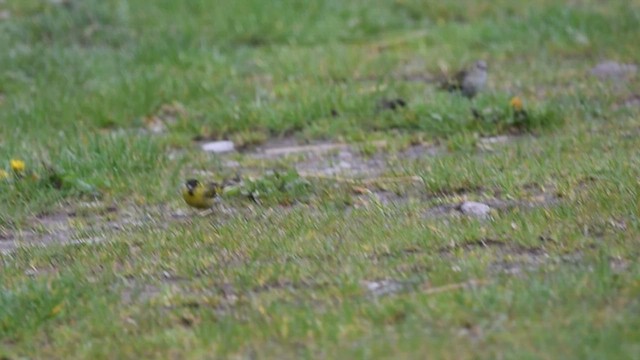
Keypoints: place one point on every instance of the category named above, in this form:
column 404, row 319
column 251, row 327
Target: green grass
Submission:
column 281, row 267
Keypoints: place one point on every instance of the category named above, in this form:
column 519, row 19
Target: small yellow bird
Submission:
column 199, row 195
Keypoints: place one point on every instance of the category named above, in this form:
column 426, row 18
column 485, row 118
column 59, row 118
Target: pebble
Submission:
column 383, row 287
column 476, row 209
column 501, row 139
column 218, row 147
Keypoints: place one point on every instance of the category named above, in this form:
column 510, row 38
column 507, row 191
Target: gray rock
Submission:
column 500, row 139
column 218, row 146
column 613, row 70
column 476, row 209
column 383, row 287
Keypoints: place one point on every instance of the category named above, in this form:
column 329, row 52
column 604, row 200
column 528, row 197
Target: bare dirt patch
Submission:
column 325, row 159
column 362, row 167
column 632, row 101
column 505, row 256
column 530, row 201
column 87, row 223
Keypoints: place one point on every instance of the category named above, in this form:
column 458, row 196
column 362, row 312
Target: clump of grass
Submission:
column 68, row 182
column 462, row 141
column 542, row 118
column 368, row 149
column 40, row 185
column 278, row 187
column 513, row 117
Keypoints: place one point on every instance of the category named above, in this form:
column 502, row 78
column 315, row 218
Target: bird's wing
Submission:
column 453, row 83
column 212, row 189
column 460, row 76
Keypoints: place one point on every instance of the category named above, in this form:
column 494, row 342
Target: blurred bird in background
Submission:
column 468, row 81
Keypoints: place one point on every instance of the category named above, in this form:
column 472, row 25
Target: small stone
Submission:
column 179, row 214
column 476, row 209
column 501, row 139
column 613, row 70
column 218, row 146
column 383, row 287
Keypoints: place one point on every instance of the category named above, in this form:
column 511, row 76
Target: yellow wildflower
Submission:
column 516, row 103
column 17, row 165
column 56, row 309
column 3, row 174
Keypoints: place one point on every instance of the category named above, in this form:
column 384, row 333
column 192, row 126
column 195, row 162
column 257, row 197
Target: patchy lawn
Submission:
column 373, row 215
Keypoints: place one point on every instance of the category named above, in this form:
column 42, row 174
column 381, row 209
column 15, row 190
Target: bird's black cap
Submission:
column 191, row 184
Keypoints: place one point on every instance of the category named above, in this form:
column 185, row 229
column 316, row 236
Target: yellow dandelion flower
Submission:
column 516, row 103
column 56, row 309
column 17, row 165
column 3, row 174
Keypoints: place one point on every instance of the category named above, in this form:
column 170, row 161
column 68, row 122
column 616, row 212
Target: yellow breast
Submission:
column 197, row 198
